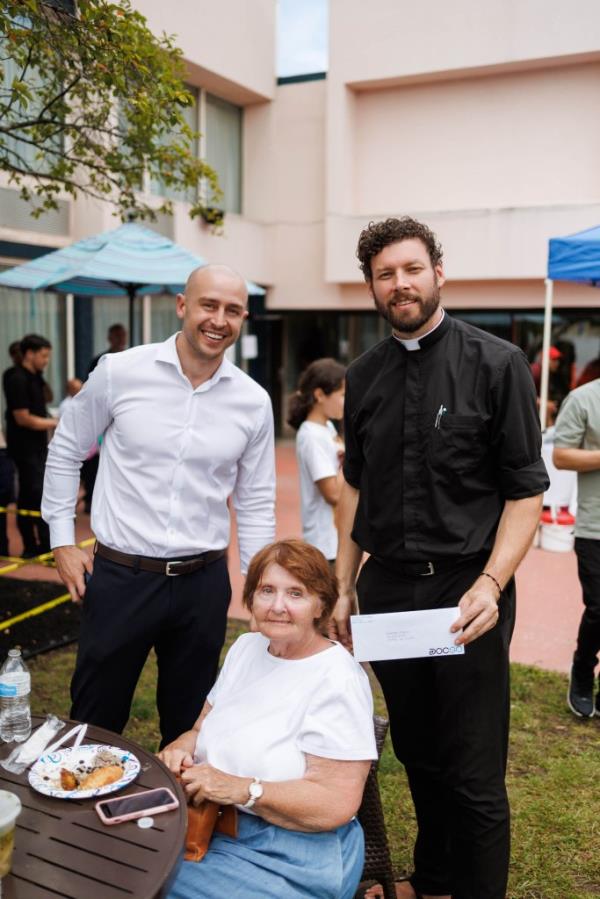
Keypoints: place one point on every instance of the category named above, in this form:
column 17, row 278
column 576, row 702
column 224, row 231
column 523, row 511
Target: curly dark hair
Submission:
column 379, row 235
column 328, row 374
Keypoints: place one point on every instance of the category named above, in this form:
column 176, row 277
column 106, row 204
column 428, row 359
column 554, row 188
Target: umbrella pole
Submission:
column 545, row 375
column 70, row 335
column 131, row 293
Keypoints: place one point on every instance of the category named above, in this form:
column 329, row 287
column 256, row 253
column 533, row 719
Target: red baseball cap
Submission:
column 553, row 353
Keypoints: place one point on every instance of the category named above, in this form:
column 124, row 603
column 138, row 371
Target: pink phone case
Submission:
column 140, row 813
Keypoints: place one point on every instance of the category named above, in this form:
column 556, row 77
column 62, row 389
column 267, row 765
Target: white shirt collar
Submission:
column 167, row 352
column 412, row 343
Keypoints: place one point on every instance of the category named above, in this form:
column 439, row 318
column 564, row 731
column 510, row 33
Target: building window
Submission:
column 17, row 149
column 157, row 185
column 223, row 143
column 220, row 124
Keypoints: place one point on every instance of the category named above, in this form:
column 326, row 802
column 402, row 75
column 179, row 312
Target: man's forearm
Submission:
column 349, row 554
column 576, row 459
column 34, row 422
column 516, row 529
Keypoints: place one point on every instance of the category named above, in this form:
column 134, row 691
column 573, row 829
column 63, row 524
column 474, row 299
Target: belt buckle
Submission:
column 430, row 570
column 168, row 571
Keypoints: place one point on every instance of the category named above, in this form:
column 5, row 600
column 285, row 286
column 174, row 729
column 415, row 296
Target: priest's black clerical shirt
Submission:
column 437, row 439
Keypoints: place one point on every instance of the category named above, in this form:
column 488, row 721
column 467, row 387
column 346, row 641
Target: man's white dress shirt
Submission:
column 171, row 456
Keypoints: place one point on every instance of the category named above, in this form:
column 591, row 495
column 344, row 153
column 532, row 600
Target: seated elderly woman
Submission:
column 286, row 735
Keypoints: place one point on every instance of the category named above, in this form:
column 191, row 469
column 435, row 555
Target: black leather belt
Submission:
column 426, row 569
column 170, row 567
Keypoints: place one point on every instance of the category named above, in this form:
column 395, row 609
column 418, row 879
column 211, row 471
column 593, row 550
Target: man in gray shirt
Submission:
column 577, row 448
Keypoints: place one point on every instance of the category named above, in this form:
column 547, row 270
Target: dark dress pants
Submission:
column 126, row 613
column 449, row 721
column 34, row 531
column 588, row 639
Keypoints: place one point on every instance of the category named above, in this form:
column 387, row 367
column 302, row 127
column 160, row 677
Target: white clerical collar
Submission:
column 412, row 343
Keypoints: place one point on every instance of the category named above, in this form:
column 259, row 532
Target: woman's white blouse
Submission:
column 268, row 712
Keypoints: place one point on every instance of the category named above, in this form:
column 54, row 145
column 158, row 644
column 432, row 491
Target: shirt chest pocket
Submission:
column 457, row 444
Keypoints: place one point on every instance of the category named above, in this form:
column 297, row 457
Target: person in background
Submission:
column 318, row 399
column 577, row 448
column 7, row 468
column 7, row 492
column 14, row 351
column 590, row 372
column 556, row 390
column 27, row 428
column 73, row 386
column 286, row 735
column 117, row 342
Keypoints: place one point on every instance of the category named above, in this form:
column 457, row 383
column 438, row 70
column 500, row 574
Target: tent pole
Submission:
column 545, row 352
column 70, row 335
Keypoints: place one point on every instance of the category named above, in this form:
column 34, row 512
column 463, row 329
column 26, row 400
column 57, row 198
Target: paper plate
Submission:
column 44, row 776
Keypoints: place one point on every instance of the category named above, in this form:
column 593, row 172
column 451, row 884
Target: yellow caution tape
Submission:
column 37, row 611
column 46, row 606
column 33, row 513
column 43, row 559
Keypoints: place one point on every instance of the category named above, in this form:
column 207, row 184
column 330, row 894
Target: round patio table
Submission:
column 62, row 849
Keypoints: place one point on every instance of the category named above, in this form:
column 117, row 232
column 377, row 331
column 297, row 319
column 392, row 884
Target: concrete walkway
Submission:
column 549, row 595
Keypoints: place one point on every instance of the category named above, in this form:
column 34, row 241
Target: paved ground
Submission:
column 549, row 595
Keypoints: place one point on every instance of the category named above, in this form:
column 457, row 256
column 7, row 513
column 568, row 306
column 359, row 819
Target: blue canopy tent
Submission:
column 572, row 258
column 576, row 257
column 128, row 261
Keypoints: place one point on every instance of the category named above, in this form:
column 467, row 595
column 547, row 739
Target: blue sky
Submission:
column 301, row 37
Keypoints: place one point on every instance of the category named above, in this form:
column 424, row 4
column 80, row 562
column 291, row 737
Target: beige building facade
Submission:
column 478, row 118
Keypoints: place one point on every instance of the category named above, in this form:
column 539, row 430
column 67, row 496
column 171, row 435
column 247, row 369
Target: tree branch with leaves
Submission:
column 94, row 104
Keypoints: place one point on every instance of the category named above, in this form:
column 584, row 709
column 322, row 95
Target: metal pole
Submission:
column 131, row 292
column 70, row 335
column 545, row 352
column 146, row 319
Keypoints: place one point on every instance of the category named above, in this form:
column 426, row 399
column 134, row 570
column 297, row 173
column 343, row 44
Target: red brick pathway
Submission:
column 549, row 595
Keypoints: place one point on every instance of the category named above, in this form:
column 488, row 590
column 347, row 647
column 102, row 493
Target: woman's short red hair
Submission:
column 303, row 561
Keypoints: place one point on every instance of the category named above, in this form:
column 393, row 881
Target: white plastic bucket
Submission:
column 558, row 538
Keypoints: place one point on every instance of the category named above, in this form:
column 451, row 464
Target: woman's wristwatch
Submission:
column 255, row 791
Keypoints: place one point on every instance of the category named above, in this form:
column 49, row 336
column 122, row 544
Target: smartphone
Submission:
column 137, row 805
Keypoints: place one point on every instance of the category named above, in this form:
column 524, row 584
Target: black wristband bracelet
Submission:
column 492, row 578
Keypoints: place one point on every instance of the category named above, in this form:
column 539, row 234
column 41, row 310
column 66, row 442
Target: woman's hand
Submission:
column 178, row 755
column 202, row 782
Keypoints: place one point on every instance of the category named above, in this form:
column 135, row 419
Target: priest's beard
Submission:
column 408, row 319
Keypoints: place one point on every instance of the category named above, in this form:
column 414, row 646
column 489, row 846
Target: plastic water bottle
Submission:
column 15, row 687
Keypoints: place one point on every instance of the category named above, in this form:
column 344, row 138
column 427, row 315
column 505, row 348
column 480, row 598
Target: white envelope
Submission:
column 405, row 635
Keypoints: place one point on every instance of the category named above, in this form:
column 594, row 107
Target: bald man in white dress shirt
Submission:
column 183, row 430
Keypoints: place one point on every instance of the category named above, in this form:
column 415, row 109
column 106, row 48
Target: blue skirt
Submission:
column 270, row 862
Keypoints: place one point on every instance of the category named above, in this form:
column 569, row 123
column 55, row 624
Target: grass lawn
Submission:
column 553, row 777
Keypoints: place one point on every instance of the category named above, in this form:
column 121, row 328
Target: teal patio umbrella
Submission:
column 131, row 260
